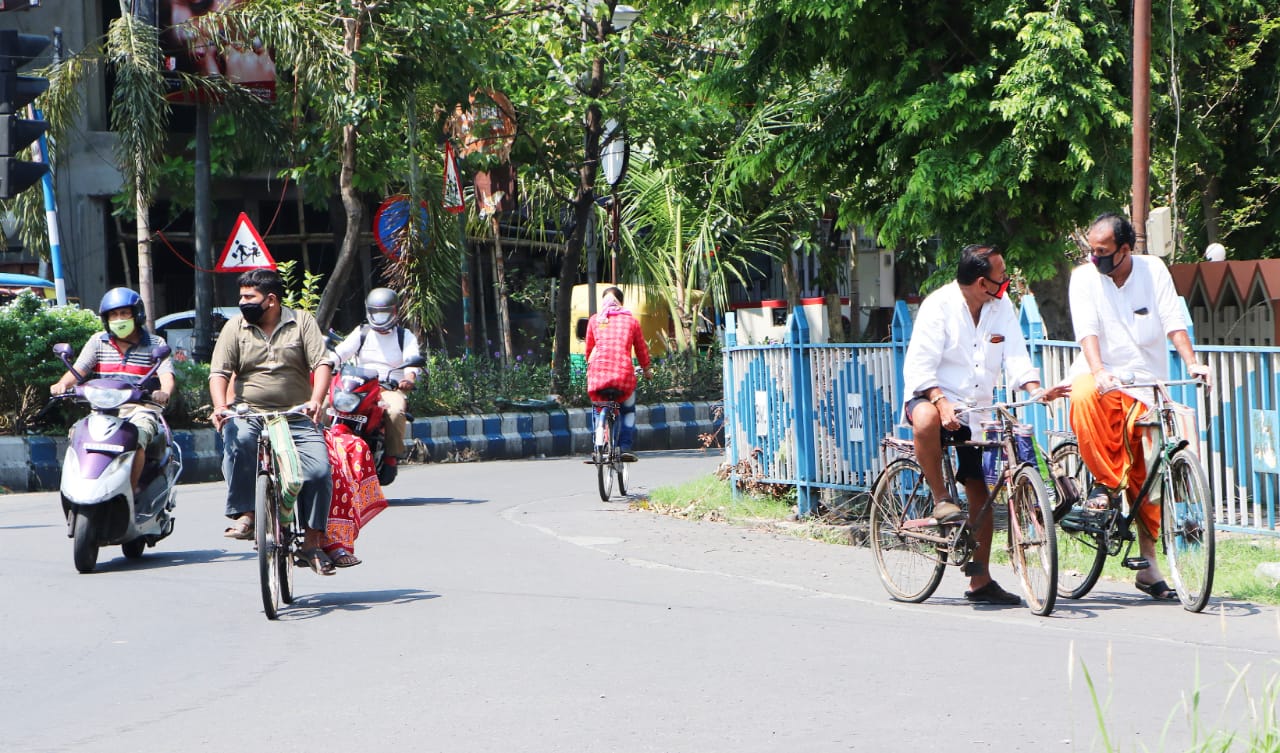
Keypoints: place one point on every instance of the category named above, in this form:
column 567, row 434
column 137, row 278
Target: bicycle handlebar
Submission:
column 1157, row 384
column 243, row 411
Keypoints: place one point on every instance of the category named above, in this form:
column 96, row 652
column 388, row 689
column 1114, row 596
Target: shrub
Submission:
column 192, row 405
column 28, row 331
column 484, row 384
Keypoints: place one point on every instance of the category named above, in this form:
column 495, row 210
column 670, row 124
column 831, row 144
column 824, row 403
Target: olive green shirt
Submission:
column 271, row 373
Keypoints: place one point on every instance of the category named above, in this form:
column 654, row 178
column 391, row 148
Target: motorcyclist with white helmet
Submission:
column 385, row 345
column 123, row 351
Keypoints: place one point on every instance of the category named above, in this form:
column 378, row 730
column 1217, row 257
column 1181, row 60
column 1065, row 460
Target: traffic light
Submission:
column 16, row 92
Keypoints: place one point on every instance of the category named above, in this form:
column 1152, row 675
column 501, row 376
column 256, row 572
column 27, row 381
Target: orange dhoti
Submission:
column 1111, row 441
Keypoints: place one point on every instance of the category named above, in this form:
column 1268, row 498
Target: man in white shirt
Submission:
column 963, row 334
column 385, row 346
column 1123, row 307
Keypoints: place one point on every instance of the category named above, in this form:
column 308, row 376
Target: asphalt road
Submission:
column 502, row 607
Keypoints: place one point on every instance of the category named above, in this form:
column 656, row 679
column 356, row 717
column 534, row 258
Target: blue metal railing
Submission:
column 813, row 415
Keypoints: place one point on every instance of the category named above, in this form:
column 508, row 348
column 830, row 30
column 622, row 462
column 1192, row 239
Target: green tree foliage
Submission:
column 1007, row 121
column 1216, row 149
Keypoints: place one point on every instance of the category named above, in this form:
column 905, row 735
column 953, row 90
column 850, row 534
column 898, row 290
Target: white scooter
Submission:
column 97, row 496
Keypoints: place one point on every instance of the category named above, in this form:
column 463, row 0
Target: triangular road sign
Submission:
column 244, row 250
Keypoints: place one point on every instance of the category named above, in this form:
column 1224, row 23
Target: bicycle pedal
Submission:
column 1136, row 563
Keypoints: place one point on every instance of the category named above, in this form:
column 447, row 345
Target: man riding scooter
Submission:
column 388, row 348
column 123, row 352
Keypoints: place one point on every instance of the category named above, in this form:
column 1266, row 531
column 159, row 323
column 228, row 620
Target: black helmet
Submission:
column 121, row 298
column 381, row 307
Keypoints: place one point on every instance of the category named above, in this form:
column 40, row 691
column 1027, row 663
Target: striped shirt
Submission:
column 102, row 356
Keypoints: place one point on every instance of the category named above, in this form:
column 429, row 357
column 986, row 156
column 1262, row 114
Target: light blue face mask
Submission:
column 121, row 328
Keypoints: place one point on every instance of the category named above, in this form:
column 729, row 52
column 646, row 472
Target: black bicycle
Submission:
column 605, row 453
column 912, row 548
column 1176, row 479
column 278, row 533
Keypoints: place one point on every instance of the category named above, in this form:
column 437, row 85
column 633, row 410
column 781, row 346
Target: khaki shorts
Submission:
column 145, row 419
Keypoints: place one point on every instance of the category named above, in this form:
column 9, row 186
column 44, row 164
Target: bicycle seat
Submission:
column 611, row 394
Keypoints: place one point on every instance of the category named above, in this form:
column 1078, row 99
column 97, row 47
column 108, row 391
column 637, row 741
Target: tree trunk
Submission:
column 1210, row 187
column 500, row 293
column 583, row 204
column 335, row 286
column 146, row 282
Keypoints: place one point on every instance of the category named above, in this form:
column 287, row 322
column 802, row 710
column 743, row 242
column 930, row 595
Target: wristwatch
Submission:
column 936, row 399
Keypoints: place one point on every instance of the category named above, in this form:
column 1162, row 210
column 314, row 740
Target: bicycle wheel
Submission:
column 1187, row 529
column 621, row 470
column 1032, row 545
column 266, row 528
column 910, row 567
column 1081, row 553
column 604, row 457
column 292, row 532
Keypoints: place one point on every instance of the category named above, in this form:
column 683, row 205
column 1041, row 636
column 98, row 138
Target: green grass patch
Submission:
column 711, row 498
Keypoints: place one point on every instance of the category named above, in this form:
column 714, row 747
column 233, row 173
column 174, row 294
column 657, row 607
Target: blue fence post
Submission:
column 1032, row 325
column 730, row 342
column 802, row 411
column 900, row 335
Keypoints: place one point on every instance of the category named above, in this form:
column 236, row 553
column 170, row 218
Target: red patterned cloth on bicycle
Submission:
column 611, row 336
column 357, row 495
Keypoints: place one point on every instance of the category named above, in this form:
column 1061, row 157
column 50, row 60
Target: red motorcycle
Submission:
column 355, row 406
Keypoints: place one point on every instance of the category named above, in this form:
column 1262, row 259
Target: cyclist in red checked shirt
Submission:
column 612, row 334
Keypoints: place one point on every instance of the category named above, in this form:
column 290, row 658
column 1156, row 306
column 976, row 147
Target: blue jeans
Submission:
column 626, row 424
column 240, row 468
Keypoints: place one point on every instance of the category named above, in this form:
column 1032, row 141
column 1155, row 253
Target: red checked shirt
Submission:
column 610, row 340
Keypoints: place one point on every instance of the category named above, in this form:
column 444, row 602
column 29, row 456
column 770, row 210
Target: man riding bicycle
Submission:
column 963, row 334
column 1123, row 307
column 612, row 334
column 278, row 359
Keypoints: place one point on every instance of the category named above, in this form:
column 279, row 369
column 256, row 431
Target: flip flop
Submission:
column 1159, row 590
column 240, row 528
column 342, row 558
column 318, row 561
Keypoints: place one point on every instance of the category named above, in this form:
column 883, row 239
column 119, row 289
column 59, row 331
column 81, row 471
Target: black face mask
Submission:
column 1105, row 264
column 252, row 312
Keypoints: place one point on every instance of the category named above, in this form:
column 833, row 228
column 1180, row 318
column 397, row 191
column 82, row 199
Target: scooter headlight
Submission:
column 106, row 398
column 346, row 402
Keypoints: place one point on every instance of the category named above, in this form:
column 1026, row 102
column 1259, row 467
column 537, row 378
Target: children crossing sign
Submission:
column 244, row 250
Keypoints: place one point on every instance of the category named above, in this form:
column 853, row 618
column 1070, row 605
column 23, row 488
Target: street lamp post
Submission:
column 613, row 159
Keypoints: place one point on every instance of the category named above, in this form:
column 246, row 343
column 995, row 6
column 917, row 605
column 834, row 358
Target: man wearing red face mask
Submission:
column 1123, row 307
column 964, row 333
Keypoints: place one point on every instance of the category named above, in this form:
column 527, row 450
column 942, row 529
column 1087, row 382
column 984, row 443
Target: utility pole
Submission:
column 1141, row 198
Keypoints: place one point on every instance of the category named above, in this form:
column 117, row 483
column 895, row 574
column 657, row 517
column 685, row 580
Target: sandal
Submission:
column 241, row 528
column 340, row 557
column 318, row 561
column 1159, row 590
column 992, row 593
column 1099, row 499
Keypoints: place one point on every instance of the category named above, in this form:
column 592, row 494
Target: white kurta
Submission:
column 1132, row 323
column 949, row 351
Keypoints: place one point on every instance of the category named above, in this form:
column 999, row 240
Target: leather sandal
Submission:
column 318, row 561
column 241, row 528
column 992, row 593
column 1160, row 590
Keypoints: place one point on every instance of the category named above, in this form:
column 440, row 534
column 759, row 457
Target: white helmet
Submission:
column 381, row 307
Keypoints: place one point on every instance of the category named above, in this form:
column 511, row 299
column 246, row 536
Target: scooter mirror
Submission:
column 160, row 352
column 62, row 350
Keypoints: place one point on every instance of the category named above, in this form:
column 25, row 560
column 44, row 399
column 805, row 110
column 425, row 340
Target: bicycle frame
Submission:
column 1166, row 443
column 959, row 541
